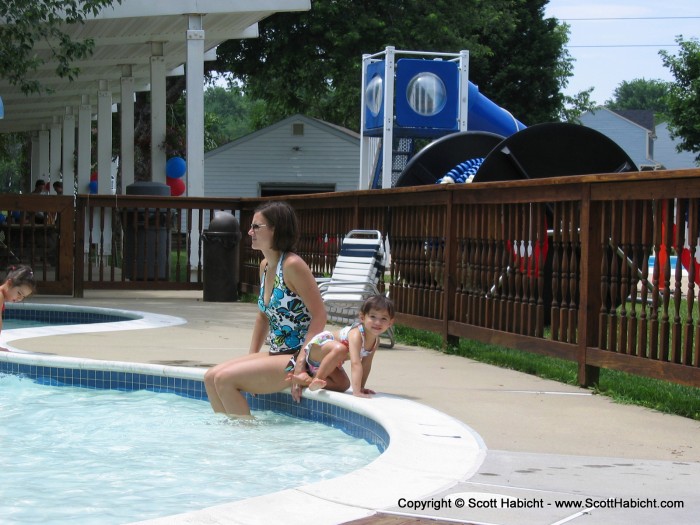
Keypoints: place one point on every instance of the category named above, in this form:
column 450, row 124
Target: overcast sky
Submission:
column 624, row 40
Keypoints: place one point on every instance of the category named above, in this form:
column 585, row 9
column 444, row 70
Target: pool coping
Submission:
column 428, row 450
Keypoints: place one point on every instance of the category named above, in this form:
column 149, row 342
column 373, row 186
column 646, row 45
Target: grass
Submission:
column 623, row 388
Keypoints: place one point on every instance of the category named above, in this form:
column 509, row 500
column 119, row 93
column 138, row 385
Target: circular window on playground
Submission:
column 374, row 95
column 426, row 94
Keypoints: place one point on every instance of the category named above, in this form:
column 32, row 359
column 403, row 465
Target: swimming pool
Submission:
column 111, row 457
column 427, row 450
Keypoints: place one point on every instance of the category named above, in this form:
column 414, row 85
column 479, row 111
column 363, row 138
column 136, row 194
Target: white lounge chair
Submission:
column 356, row 276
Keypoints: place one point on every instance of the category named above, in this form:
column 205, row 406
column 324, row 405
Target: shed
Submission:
column 297, row 155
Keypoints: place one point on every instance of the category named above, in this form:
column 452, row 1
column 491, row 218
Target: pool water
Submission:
column 70, row 454
column 11, row 324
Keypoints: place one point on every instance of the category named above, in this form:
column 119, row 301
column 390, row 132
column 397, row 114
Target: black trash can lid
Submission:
column 148, row 188
column 224, row 222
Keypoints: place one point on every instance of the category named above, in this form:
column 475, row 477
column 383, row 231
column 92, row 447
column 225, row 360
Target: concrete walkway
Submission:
column 546, row 441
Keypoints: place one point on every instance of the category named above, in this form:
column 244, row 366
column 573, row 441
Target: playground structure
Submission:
column 411, row 98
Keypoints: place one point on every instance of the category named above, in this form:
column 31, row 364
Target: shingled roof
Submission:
column 642, row 117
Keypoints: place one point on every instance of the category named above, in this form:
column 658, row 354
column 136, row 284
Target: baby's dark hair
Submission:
column 21, row 275
column 378, row 302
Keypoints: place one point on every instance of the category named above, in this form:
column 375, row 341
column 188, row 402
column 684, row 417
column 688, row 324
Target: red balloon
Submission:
column 177, row 186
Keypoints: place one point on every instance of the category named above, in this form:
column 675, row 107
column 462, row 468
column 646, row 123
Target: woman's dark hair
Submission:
column 21, row 275
column 281, row 216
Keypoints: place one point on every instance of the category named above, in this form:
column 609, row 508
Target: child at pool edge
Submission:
column 358, row 342
column 18, row 285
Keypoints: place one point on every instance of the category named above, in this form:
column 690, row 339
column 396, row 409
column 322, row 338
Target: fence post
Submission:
column 450, row 270
column 79, row 248
column 590, row 298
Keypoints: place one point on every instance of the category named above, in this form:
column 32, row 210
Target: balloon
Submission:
column 3, row 218
column 175, row 167
column 177, row 186
column 93, row 176
column 93, row 187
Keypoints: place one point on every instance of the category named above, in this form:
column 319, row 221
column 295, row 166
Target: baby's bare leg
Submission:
column 335, row 353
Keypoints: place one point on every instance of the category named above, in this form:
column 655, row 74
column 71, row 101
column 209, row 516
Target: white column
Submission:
column 126, row 151
column 68, row 164
column 195, row 120
column 157, row 112
column 104, row 164
column 195, row 107
column 55, row 151
column 104, row 138
column 36, row 150
column 84, row 144
column 44, row 139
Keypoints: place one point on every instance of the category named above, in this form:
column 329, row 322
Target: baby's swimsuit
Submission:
column 343, row 337
column 288, row 315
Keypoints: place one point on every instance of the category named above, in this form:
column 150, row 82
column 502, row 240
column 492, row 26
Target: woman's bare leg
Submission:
column 256, row 376
column 210, row 378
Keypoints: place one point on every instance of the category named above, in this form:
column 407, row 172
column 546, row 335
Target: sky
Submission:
column 621, row 39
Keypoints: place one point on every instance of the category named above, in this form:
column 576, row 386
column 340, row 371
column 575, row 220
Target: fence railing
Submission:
column 601, row 270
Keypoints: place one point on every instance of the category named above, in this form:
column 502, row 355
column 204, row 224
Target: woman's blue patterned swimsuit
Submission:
column 288, row 315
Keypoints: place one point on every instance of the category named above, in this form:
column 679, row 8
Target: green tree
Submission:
column 684, row 94
column 641, row 93
column 311, row 63
column 26, row 22
column 228, row 114
column 14, row 161
column 576, row 105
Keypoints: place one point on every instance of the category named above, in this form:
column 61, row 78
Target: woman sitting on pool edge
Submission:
column 291, row 311
column 18, row 285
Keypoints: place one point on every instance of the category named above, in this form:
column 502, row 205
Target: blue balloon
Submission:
column 93, row 187
column 175, row 167
column 3, row 218
column 16, row 215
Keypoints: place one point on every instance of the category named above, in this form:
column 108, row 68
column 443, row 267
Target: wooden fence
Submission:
column 579, row 268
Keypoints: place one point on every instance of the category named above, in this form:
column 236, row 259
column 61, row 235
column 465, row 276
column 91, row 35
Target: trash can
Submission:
column 147, row 236
column 220, row 258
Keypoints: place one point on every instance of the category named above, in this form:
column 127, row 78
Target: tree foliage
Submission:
column 227, row 114
column 28, row 22
column 684, row 94
column 311, row 62
column 641, row 93
column 576, row 105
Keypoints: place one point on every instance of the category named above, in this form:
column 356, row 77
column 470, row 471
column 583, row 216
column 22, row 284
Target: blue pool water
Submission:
column 78, row 455
column 29, row 315
column 12, row 324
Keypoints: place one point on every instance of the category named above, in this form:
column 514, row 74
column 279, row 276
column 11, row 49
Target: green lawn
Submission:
column 621, row 387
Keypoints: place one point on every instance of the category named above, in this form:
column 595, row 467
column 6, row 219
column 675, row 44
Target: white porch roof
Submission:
column 123, row 36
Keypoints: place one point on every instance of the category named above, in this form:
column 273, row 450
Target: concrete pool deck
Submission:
column 548, row 444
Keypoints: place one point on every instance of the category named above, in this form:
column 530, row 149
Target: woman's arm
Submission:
column 260, row 331
column 262, row 326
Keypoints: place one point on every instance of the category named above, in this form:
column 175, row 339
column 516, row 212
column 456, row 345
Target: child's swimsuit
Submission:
column 288, row 315
column 323, row 337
